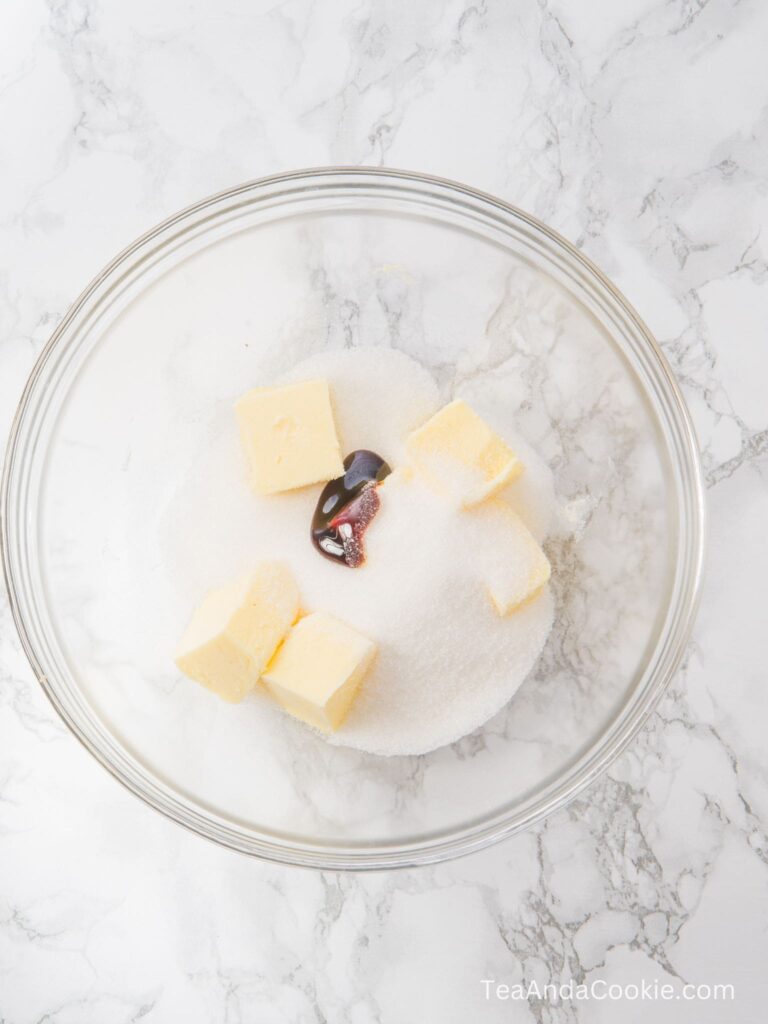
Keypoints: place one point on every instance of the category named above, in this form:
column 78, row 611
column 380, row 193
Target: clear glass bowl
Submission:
column 252, row 280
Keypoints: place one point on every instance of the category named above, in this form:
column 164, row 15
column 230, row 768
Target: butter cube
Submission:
column 237, row 629
column 512, row 565
column 460, row 455
column 317, row 671
column 289, row 436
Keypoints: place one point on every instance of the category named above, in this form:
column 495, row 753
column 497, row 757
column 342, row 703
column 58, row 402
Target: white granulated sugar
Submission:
column 446, row 661
column 573, row 517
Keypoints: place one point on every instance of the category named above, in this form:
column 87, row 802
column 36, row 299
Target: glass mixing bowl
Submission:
column 239, row 287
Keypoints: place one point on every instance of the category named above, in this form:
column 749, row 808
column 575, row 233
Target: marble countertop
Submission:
column 639, row 130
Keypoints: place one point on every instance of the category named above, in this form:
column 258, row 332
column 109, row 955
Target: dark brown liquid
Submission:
column 346, row 506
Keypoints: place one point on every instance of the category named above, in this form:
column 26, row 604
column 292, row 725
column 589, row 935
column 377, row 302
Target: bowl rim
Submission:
column 456, row 842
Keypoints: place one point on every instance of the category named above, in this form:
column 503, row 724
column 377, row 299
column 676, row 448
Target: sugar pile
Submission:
column 446, row 662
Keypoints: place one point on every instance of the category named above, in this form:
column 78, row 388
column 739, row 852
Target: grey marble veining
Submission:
column 638, row 129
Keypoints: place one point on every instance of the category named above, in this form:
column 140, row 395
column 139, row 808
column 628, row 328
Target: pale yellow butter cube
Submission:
column 237, row 629
column 289, row 436
column 459, row 454
column 511, row 562
column 317, row 671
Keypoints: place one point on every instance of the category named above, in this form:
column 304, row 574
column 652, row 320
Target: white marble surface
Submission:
column 636, row 128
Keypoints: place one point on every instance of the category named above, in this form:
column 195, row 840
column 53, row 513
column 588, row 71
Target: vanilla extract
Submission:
column 346, row 507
